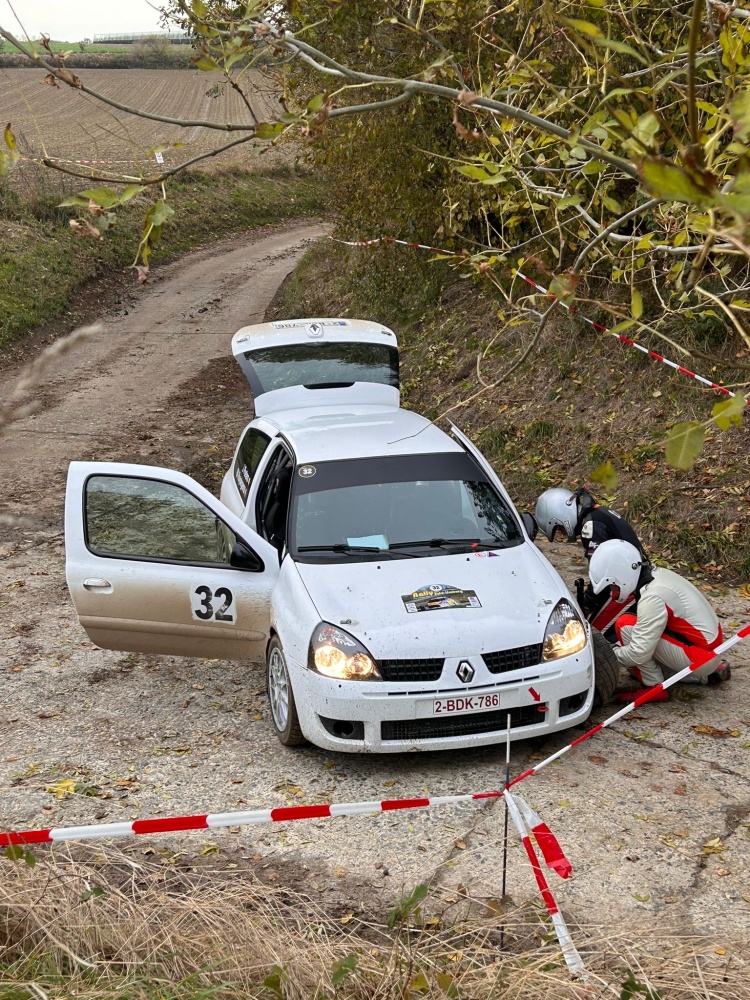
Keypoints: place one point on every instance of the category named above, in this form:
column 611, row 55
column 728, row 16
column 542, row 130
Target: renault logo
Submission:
column 465, row 672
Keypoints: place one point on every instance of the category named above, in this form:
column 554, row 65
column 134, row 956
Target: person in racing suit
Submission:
column 671, row 626
column 580, row 516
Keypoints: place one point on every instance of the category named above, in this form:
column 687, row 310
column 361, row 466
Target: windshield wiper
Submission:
column 342, row 547
column 441, row 543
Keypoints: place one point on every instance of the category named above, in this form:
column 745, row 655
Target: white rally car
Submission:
column 376, row 563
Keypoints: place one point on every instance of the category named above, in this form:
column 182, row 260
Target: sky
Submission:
column 72, row 20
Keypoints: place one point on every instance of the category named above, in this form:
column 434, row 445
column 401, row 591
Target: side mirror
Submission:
column 243, row 557
column 529, row 522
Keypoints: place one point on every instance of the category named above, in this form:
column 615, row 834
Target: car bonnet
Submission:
column 447, row 605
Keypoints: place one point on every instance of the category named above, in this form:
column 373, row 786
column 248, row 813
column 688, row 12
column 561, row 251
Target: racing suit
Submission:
column 596, row 526
column 672, row 622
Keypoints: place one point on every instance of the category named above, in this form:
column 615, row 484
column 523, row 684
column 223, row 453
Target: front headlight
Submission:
column 565, row 633
column 335, row 653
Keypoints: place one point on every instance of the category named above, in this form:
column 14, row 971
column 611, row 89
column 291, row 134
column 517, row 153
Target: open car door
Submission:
column 317, row 362
column 156, row 564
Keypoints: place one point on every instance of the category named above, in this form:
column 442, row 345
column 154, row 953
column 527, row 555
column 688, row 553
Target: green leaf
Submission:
column 206, row 64
column 739, row 111
column 474, row 172
column 583, row 27
column 419, row 983
column 103, row 196
column 628, row 50
column 446, row 984
column 684, row 444
column 74, row 201
column 636, row 303
column 568, row 200
column 593, row 167
column 672, row 183
column 158, row 214
column 316, row 103
column 130, row 192
column 606, row 475
column 200, row 10
column 265, row 130
column 10, row 139
column 646, row 128
column 729, row 411
column 563, row 288
column 343, row 968
column 272, row 982
column 14, row 852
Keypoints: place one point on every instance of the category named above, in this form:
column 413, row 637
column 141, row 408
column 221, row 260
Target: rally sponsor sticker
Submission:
column 439, row 597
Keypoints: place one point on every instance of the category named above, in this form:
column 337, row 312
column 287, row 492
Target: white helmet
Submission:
column 615, row 563
column 557, row 508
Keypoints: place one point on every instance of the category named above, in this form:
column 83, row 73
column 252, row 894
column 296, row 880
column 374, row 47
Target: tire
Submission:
column 281, row 697
column 606, row 670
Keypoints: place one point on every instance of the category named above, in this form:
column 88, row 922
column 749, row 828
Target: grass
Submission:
column 104, row 925
column 584, row 400
column 44, row 265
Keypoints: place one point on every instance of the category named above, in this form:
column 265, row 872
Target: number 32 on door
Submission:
column 213, row 605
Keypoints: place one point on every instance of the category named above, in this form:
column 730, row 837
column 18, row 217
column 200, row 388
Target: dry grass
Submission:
column 160, row 931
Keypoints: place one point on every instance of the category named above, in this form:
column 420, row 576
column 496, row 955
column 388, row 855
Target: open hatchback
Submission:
column 318, row 362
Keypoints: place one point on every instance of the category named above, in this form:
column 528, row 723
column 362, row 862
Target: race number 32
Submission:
column 213, row 605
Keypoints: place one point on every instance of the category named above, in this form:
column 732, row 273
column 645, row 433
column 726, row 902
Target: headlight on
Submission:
column 565, row 633
column 335, row 653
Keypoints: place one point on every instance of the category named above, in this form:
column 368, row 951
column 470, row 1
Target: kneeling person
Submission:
column 672, row 622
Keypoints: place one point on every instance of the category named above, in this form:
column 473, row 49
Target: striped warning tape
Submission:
column 519, row 812
column 701, row 658
column 545, row 291
column 213, row 821
column 209, row 821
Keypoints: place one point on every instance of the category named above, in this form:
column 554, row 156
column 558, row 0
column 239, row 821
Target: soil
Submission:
column 654, row 813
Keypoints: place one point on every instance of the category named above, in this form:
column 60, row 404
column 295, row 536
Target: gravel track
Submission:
column 143, row 735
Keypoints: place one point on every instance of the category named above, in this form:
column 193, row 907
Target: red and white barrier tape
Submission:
column 570, row 953
column 210, row 821
column 213, row 821
column 540, row 288
column 701, row 657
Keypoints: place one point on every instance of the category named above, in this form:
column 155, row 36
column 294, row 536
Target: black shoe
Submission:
column 720, row 675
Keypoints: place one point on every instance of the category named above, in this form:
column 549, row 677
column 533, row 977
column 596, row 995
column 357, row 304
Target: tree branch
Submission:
column 605, row 233
column 123, row 179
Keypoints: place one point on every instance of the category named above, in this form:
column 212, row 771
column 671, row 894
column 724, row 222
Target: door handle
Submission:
column 94, row 583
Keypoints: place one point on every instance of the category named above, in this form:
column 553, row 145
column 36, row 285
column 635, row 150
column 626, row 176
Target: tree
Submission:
column 609, row 146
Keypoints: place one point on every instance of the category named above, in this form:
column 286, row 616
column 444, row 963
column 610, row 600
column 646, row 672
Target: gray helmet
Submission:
column 558, row 508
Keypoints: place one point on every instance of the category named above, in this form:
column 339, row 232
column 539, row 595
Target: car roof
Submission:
column 323, row 434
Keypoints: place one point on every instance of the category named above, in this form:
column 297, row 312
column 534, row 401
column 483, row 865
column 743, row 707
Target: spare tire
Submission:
column 606, row 670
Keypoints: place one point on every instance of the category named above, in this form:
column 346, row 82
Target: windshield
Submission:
column 400, row 507
column 320, row 365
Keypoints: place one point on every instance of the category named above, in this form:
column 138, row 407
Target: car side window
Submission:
column 149, row 519
column 273, row 498
column 251, row 450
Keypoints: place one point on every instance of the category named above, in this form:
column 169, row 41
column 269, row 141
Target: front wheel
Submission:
column 606, row 670
column 281, row 697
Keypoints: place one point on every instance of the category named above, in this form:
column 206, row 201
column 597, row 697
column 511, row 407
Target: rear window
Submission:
column 320, row 365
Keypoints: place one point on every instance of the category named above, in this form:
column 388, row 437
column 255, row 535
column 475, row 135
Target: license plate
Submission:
column 462, row 704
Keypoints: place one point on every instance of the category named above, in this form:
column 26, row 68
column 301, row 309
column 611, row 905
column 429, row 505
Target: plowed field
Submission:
column 68, row 124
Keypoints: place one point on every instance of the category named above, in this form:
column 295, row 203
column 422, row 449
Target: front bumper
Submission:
column 383, row 717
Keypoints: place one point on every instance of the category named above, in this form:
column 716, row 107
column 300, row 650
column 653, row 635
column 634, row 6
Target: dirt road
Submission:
column 654, row 814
